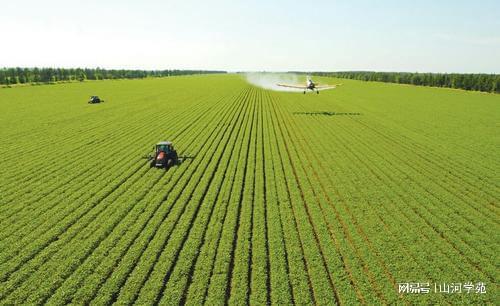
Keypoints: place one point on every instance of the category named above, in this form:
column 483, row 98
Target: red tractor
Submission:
column 165, row 155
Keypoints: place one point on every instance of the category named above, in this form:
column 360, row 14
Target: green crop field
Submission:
column 281, row 198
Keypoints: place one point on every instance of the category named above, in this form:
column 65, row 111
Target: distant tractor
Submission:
column 165, row 155
column 95, row 99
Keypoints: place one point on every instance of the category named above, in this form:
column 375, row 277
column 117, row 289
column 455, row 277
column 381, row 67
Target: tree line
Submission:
column 472, row 81
column 9, row 76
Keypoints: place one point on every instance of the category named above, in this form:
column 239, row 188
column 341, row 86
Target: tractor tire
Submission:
column 175, row 158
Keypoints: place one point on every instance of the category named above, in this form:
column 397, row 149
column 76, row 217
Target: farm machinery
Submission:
column 164, row 156
column 95, row 99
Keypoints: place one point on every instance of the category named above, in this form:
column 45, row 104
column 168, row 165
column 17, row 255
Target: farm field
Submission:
column 281, row 198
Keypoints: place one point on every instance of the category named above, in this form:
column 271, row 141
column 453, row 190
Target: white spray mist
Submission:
column 268, row 80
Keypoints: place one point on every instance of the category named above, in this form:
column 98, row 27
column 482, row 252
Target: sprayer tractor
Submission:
column 164, row 156
column 95, row 99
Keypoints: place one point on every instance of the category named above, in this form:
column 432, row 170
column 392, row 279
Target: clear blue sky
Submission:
column 277, row 35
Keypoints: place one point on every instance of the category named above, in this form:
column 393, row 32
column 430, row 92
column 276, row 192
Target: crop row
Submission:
column 113, row 201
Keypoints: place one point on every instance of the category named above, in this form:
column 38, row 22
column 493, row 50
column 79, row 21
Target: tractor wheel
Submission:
column 175, row 158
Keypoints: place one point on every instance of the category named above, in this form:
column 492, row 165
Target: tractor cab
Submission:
column 164, row 146
column 165, row 155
